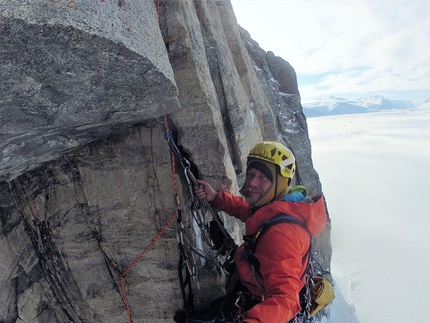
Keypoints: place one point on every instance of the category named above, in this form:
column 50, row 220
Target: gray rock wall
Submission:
column 75, row 71
column 86, row 179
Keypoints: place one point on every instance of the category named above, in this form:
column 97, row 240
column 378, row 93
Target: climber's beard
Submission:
column 251, row 195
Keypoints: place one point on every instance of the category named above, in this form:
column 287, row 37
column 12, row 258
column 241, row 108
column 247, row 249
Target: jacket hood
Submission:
column 311, row 211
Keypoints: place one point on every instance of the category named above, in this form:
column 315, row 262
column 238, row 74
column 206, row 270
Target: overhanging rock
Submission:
column 75, row 71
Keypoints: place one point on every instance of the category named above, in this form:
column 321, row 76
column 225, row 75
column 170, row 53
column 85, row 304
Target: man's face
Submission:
column 256, row 185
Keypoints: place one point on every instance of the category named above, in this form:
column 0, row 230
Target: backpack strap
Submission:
column 252, row 239
column 251, row 245
column 306, row 295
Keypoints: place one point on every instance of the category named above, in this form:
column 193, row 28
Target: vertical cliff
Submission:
column 87, row 91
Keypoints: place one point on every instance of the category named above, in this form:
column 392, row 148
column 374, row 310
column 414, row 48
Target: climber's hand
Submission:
column 204, row 191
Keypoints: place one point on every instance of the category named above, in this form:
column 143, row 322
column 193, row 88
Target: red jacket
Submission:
column 280, row 251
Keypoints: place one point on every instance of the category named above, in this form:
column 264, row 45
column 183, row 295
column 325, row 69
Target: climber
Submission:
column 270, row 292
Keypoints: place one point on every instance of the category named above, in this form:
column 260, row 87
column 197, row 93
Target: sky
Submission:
column 346, row 48
column 374, row 171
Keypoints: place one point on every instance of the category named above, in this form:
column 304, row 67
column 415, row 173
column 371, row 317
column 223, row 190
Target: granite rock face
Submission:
column 88, row 89
column 75, row 71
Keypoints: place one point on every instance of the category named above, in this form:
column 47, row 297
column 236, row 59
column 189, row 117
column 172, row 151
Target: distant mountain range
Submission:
column 336, row 105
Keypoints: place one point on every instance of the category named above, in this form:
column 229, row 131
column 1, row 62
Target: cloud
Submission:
column 359, row 45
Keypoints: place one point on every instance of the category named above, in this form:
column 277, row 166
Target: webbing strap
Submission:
column 265, row 225
column 284, row 218
column 252, row 239
column 184, row 283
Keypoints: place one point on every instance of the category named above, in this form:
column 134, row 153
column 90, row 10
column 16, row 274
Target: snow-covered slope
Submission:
column 424, row 105
column 374, row 170
column 342, row 310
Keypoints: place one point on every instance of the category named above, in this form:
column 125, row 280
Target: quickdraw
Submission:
column 199, row 207
column 221, row 251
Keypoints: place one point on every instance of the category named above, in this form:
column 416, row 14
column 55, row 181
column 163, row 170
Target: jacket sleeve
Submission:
column 233, row 205
column 280, row 252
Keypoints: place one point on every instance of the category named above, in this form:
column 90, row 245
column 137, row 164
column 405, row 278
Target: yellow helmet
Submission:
column 276, row 153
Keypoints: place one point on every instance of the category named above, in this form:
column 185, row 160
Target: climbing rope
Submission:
column 153, row 241
column 163, row 229
column 124, row 273
column 187, row 252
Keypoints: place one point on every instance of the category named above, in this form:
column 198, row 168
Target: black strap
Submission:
column 284, row 218
column 263, row 227
column 184, row 282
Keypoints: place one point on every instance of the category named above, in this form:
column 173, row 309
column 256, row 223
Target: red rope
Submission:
column 158, row 9
column 124, row 273
column 154, row 240
column 169, row 222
